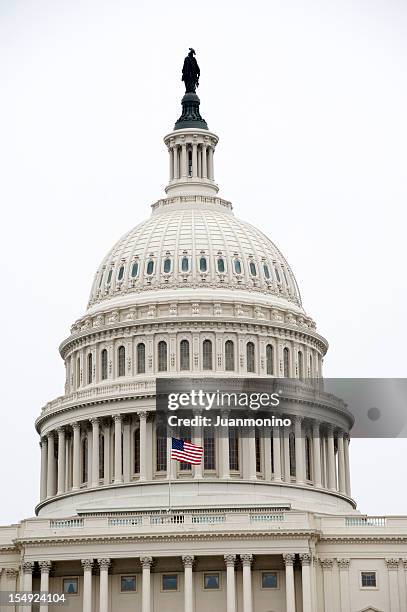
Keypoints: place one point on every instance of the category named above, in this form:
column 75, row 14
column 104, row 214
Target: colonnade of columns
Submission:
column 307, row 453
column 191, row 160
column 146, row 562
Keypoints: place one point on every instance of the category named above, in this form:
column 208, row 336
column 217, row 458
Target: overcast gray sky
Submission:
column 309, row 100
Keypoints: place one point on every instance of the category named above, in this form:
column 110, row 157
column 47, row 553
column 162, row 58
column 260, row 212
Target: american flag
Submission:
column 186, row 452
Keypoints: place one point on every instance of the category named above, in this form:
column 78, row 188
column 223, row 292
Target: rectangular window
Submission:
column 209, row 449
column 128, row 584
column 233, row 449
column 269, row 580
column 169, row 582
column 211, row 581
column 70, row 586
column 368, row 580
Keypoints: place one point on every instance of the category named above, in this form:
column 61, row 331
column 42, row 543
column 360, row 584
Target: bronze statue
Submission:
column 190, row 72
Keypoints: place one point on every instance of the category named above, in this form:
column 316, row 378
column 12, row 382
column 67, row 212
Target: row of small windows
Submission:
column 185, row 360
column 185, row 266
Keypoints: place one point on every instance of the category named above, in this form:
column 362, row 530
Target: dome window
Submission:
column 109, row 276
column 167, row 266
column 203, row 266
column 185, row 264
column 277, row 275
column 253, row 269
column 238, row 266
column 134, row 269
column 121, row 273
column 266, row 271
column 221, row 265
column 150, row 267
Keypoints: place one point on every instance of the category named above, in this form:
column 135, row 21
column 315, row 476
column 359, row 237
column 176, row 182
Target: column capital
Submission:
column 51, row 435
column 117, row 418
column 343, row 564
column 246, row 559
column 142, row 415
column 87, row 564
column 305, row 558
column 289, row 559
column 60, row 430
column 146, row 562
column 392, row 564
column 27, row 567
column 75, row 426
column 43, row 441
column 316, row 427
column 104, row 563
column 45, row 566
column 230, row 560
column 404, row 562
column 95, row 421
column 11, row 572
column 326, row 564
column 188, row 560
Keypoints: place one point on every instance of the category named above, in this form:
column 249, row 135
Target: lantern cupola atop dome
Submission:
column 191, row 145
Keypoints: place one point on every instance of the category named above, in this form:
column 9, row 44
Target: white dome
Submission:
column 194, row 242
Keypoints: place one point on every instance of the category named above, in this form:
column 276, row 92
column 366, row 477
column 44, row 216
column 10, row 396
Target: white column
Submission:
column 27, row 568
column 194, row 160
column 188, row 561
column 224, row 460
column 347, row 464
column 204, row 164
column 230, row 561
column 146, row 563
column 76, row 456
column 198, row 439
column 331, row 460
column 247, row 582
column 316, row 454
column 404, row 571
column 341, row 464
column 61, row 460
column 45, row 567
column 184, row 172
column 276, row 454
column 392, row 568
column 104, row 565
column 106, row 453
column 175, row 162
column 299, row 450
column 126, row 449
column 87, row 565
column 143, row 444
column 328, row 586
column 286, row 452
column 171, row 464
column 44, row 468
column 343, row 565
column 51, row 466
column 210, row 164
column 289, row 582
column 95, row 452
column 118, row 478
column 170, row 154
column 251, row 453
column 305, row 559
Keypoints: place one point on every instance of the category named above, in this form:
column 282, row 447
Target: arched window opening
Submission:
column 209, row 449
column 270, row 359
column 162, row 356
column 221, row 265
column 250, row 357
column 150, row 267
column 207, row 354
column 257, row 440
column 90, row 368
column 307, row 458
column 141, row 358
column 101, row 279
column 109, row 276
column 185, row 264
column 137, row 451
column 184, row 355
column 121, row 359
column 167, row 265
column 104, row 364
column 203, row 265
column 285, row 277
column 84, row 460
column 286, row 362
column 161, row 448
column 311, row 367
column 185, row 435
column 238, row 266
column 253, row 269
column 277, row 274
column 300, row 365
column 291, row 443
column 229, row 356
column 121, row 273
column 101, row 456
column 134, row 269
column 233, row 449
column 266, row 271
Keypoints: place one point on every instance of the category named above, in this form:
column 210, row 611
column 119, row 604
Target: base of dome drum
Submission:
column 190, row 494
